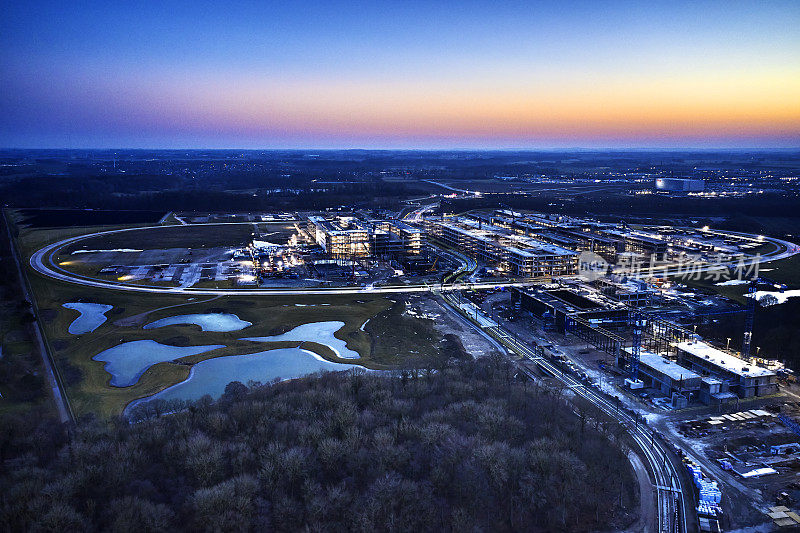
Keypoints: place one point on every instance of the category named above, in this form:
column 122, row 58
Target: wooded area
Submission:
column 465, row 447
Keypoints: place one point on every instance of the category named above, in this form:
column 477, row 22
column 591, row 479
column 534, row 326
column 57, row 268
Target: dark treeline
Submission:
column 20, row 366
column 441, row 163
column 627, row 206
column 180, row 194
column 465, row 448
column 231, row 180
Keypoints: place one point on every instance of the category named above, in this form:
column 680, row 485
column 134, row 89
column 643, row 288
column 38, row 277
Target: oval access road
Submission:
column 43, row 262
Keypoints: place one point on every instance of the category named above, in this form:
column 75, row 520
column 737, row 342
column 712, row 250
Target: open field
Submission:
column 87, row 381
column 21, row 382
column 31, row 239
column 44, row 218
column 389, row 338
column 766, row 248
column 175, row 236
column 783, row 271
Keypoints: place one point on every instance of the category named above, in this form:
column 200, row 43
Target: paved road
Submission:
column 417, row 214
column 43, row 262
column 450, row 188
column 53, row 379
column 670, row 492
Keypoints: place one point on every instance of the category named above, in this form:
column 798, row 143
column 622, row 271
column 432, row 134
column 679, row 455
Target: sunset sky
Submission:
column 400, row 74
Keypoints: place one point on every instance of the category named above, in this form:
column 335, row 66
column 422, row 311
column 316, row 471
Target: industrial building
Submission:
column 671, row 358
column 351, row 238
column 679, row 382
column 399, row 238
column 639, row 243
column 743, row 379
column 606, row 240
column 679, row 185
column 602, row 245
column 518, row 254
column 666, row 375
column 615, row 242
column 342, row 238
column 634, row 293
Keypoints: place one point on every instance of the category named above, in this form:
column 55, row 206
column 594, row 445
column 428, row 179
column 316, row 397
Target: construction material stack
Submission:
column 709, row 511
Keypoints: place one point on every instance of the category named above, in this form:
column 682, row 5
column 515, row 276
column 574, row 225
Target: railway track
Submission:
column 667, row 483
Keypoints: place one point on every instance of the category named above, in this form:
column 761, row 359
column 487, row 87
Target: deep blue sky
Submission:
column 400, row 74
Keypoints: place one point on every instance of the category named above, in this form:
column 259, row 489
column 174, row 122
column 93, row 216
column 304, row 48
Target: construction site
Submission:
column 654, row 351
column 729, row 414
column 599, row 305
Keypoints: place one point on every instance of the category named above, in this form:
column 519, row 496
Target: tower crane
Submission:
column 750, row 312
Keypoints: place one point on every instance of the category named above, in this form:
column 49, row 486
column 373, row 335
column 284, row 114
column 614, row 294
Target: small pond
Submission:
column 92, row 316
column 213, row 375
column 128, row 361
column 206, row 321
column 319, row 332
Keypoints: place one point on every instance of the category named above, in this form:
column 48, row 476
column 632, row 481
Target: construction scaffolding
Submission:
column 661, row 336
column 597, row 336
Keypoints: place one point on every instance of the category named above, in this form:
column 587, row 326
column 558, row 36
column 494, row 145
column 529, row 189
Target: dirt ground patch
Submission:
column 448, row 324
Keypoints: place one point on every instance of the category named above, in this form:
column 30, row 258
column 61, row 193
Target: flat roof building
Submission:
column 679, row 185
column 631, row 293
column 519, row 254
column 745, row 379
column 343, row 238
column 639, row 243
column 668, row 376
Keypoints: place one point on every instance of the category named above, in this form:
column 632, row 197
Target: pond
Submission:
column 92, row 316
column 206, row 321
column 128, row 361
column 213, row 375
column 319, row 332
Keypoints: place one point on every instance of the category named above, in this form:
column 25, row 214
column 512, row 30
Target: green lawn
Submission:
column 783, row 271
column 178, row 236
column 19, row 355
column 389, row 340
column 87, row 381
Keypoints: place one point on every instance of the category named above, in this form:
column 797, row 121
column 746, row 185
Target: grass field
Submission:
column 381, row 346
column 87, row 381
column 389, row 340
column 178, row 236
column 19, row 351
column 783, row 271
column 766, row 248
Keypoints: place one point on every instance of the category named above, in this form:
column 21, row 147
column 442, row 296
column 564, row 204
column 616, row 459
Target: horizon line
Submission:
column 430, row 149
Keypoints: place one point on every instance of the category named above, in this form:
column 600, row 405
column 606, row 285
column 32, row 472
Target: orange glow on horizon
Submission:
column 763, row 103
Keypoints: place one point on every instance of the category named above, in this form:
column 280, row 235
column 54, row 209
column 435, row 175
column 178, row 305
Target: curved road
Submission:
column 42, row 261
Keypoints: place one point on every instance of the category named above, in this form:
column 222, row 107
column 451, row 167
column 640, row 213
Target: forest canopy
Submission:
column 466, row 447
